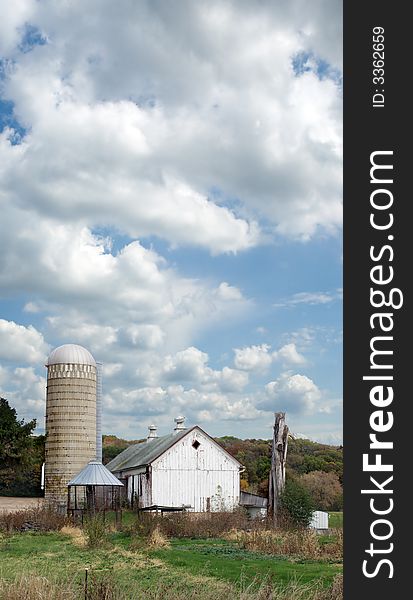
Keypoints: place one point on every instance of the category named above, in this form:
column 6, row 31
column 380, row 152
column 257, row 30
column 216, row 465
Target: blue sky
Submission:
column 175, row 208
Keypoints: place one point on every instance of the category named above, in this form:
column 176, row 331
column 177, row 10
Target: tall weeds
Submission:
column 303, row 543
column 95, row 531
column 30, row 587
column 104, row 587
column 42, row 517
column 187, row 525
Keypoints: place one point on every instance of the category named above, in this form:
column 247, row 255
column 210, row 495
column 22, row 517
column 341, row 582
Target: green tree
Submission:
column 297, row 504
column 15, row 435
column 21, row 454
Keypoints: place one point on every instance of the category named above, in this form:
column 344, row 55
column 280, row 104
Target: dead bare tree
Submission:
column 278, row 460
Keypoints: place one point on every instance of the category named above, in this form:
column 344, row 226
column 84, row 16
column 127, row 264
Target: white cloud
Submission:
column 107, row 161
column 292, row 393
column 187, row 365
column 228, row 292
column 311, row 298
column 25, row 391
column 99, row 298
column 289, row 355
column 259, row 358
column 232, row 380
column 135, row 135
column 253, row 358
column 13, row 18
column 190, row 367
column 162, row 404
column 181, row 141
column 21, row 344
column 145, row 337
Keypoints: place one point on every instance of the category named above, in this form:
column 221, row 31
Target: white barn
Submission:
column 185, row 469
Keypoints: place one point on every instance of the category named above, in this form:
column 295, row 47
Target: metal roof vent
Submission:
column 180, row 424
column 152, row 433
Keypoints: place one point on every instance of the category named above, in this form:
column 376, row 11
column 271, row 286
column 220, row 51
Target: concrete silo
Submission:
column 70, row 418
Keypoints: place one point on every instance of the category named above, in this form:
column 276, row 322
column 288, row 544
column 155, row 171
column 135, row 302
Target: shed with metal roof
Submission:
column 93, row 489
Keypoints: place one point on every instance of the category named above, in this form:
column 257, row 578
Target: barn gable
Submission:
column 196, row 450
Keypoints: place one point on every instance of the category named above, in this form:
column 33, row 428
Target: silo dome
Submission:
column 70, row 354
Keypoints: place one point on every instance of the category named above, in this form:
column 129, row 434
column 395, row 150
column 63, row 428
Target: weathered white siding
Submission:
column 204, row 478
column 139, row 486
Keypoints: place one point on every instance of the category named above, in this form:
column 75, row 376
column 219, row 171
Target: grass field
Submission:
column 213, row 568
column 335, row 520
column 220, row 559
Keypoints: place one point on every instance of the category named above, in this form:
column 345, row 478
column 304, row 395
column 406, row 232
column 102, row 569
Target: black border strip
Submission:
column 376, row 121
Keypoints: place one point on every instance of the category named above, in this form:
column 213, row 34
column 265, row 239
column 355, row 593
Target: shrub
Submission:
column 297, row 504
column 94, row 528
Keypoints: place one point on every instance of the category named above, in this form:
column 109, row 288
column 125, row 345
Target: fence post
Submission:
column 86, row 574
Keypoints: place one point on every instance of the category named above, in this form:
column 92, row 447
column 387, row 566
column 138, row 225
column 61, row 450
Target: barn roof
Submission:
column 248, row 499
column 145, row 453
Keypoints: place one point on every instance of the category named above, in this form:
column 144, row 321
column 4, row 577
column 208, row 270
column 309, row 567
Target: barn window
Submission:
column 196, row 444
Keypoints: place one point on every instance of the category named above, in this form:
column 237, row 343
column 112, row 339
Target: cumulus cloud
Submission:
column 190, row 367
column 154, row 404
column 253, row 358
column 99, row 297
column 21, row 344
column 13, row 19
column 151, row 131
column 25, row 389
column 292, row 393
column 259, row 358
column 121, row 143
column 289, row 355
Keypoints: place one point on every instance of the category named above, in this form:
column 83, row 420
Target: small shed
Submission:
column 256, row 506
column 319, row 520
column 94, row 489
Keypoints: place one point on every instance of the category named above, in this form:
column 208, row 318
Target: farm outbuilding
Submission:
column 256, row 506
column 319, row 520
column 94, row 489
column 186, row 469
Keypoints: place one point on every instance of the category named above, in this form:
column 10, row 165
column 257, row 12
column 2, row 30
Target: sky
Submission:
column 171, row 199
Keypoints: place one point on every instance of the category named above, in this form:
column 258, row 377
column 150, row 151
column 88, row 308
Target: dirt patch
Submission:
column 10, row 504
